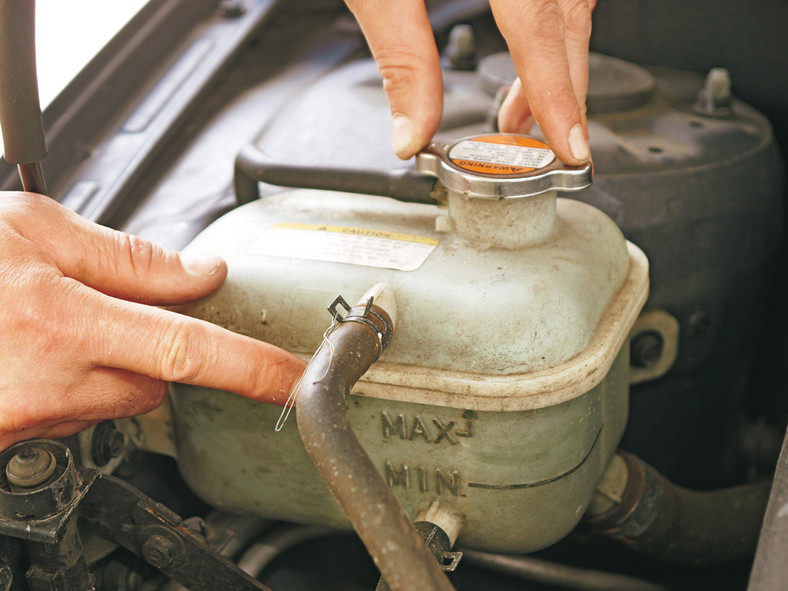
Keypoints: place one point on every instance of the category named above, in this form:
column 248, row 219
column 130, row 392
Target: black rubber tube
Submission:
column 20, row 110
column 390, row 537
column 252, row 166
column 560, row 575
column 273, row 544
column 669, row 523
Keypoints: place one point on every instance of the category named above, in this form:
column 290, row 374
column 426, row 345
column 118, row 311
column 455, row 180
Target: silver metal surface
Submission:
column 555, row 176
column 32, row 177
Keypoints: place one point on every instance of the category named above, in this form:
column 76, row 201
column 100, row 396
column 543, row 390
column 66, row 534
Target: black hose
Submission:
column 20, row 111
column 390, row 537
column 252, row 166
column 270, row 546
column 245, row 529
column 669, row 523
column 560, row 575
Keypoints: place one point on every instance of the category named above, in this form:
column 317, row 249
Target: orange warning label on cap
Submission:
column 501, row 154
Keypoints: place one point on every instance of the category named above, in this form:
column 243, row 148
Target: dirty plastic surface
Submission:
column 503, row 393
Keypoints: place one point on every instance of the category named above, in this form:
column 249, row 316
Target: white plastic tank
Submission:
column 503, row 393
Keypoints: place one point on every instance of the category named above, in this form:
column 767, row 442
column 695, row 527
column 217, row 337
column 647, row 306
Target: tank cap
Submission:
column 500, row 166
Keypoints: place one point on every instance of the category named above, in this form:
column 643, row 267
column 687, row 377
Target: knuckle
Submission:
column 138, row 253
column 182, row 352
column 544, row 19
column 399, row 67
column 577, row 18
column 397, row 76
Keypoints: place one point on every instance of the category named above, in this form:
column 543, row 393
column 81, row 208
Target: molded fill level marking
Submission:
column 427, row 429
column 501, row 154
column 544, row 481
column 424, row 479
column 341, row 244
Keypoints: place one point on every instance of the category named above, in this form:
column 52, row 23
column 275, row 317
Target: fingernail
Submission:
column 201, row 264
column 403, row 136
column 578, row 144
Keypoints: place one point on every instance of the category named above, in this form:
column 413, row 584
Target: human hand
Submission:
column 81, row 342
column 548, row 40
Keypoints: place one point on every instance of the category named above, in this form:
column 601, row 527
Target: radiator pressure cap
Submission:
column 500, row 166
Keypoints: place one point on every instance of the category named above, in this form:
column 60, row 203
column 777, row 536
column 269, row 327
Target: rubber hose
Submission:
column 20, row 110
column 669, row 523
column 390, row 537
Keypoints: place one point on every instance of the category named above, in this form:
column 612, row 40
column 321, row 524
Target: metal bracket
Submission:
column 450, row 561
column 339, row 301
column 177, row 548
column 44, row 517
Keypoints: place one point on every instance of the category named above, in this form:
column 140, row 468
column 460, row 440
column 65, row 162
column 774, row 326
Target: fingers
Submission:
column 64, row 394
column 114, row 263
column 94, row 355
column 548, row 40
column 402, row 43
column 171, row 347
column 577, row 24
column 120, row 334
column 73, row 355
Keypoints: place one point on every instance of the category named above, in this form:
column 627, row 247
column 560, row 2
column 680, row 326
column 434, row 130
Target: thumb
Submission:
column 402, row 43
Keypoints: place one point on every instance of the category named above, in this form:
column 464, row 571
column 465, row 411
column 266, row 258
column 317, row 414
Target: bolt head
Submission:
column 159, row 551
column 646, row 349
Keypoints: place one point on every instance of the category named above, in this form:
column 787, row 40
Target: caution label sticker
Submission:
column 501, row 154
column 341, row 244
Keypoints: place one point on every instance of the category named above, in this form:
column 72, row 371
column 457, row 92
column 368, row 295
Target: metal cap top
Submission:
column 500, row 166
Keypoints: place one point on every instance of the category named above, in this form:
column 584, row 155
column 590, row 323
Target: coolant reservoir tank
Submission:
column 503, row 393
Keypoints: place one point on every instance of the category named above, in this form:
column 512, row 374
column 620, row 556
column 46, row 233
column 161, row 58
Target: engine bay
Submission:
column 574, row 390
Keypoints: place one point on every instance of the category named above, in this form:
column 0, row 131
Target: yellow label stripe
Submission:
column 358, row 232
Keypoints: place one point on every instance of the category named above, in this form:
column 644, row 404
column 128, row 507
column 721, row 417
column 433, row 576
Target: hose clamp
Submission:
column 373, row 318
